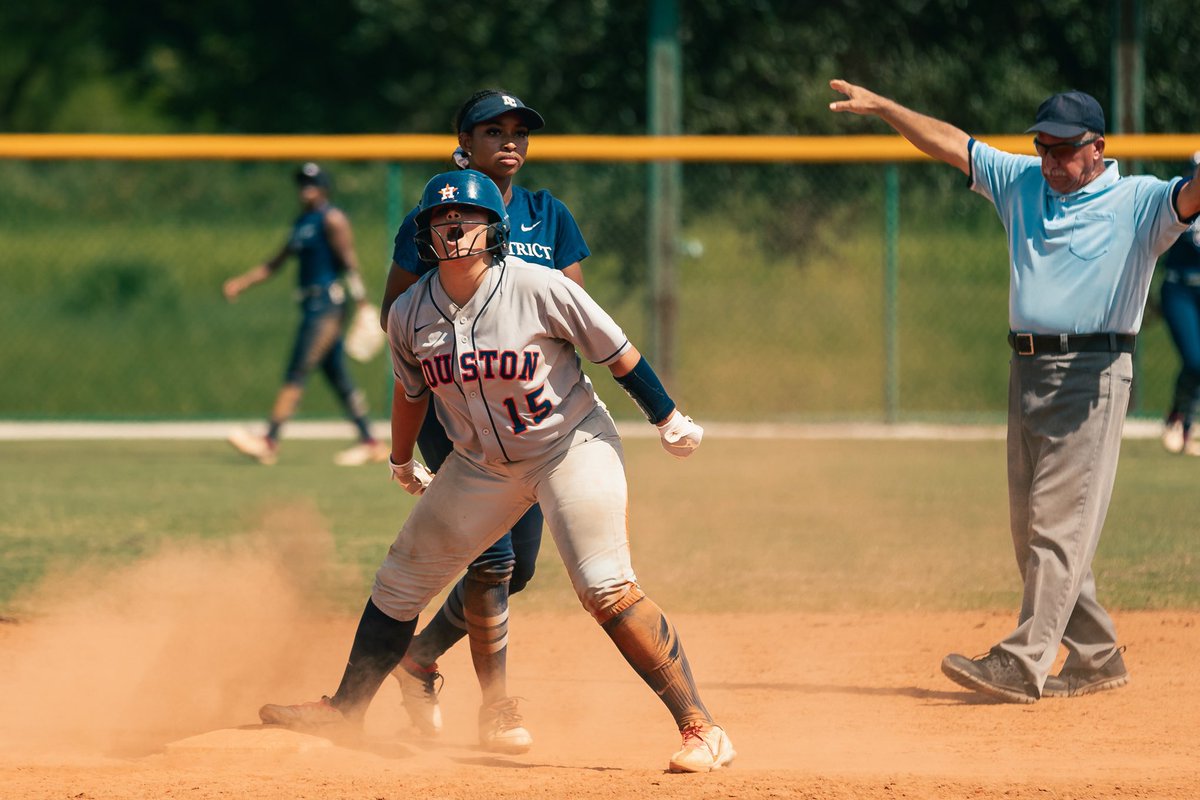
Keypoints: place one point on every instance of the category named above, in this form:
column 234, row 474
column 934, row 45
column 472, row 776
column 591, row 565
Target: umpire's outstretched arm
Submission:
column 934, row 138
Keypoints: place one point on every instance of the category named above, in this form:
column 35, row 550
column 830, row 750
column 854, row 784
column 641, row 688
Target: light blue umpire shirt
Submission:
column 1079, row 262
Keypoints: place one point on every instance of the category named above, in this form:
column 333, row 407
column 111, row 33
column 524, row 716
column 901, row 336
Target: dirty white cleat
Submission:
column 362, row 453
column 703, row 750
column 419, row 690
column 500, row 728
column 302, row 715
column 259, row 448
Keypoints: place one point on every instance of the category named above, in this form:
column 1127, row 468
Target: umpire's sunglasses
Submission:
column 1062, row 149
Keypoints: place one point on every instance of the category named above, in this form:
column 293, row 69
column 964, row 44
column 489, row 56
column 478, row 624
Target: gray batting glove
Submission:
column 411, row 475
column 680, row 436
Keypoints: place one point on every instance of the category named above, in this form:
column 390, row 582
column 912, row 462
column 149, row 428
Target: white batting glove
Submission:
column 680, row 436
column 411, row 475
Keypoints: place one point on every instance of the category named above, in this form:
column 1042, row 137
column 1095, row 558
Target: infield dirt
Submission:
column 146, row 690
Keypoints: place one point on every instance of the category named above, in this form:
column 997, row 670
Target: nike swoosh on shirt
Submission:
column 527, row 228
column 420, row 328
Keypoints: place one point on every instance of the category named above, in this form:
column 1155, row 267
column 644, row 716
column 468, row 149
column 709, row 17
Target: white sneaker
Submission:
column 500, row 728
column 703, row 750
column 420, row 696
column 259, row 448
column 362, row 453
column 1173, row 437
column 1191, row 447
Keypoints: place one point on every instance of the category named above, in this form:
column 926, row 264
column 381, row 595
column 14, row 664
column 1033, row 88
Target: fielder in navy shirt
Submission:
column 323, row 242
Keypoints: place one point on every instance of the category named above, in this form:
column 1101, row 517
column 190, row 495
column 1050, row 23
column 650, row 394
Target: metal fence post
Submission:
column 664, row 114
column 1126, row 45
column 891, row 281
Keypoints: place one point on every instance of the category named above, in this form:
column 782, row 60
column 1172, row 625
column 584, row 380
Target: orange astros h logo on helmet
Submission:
column 448, row 192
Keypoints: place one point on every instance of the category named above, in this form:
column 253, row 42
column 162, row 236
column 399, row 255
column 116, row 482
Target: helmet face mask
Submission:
column 463, row 190
column 455, row 232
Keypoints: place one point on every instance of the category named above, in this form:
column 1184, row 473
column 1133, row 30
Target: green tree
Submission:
column 757, row 66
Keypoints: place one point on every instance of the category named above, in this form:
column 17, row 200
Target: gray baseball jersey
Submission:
column 527, row 427
column 503, row 368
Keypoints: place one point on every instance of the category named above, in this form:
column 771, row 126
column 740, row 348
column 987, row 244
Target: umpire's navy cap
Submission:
column 1069, row 114
column 493, row 105
column 311, row 174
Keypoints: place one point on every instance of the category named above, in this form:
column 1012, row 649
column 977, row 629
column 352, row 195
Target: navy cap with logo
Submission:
column 311, row 174
column 493, row 105
column 1069, row 114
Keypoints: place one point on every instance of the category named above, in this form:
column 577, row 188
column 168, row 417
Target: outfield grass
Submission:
column 746, row 525
column 112, row 307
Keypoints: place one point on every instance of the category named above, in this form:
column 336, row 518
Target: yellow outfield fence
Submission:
column 413, row 147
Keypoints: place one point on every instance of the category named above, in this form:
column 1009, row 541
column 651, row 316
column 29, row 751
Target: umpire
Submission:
column 1083, row 241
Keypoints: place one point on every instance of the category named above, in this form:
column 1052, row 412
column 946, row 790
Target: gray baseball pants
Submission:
column 1066, row 414
column 580, row 484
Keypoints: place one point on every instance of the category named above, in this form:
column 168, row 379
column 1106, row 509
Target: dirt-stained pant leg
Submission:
column 584, row 497
column 654, row 649
column 464, row 510
column 1066, row 416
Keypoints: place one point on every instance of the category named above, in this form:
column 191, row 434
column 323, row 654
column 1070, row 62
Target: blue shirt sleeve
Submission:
column 1175, row 200
column 570, row 245
column 994, row 173
column 1158, row 219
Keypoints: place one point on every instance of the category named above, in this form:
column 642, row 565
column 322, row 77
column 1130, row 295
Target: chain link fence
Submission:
column 804, row 292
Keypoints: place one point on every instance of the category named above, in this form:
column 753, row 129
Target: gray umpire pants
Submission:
column 1066, row 414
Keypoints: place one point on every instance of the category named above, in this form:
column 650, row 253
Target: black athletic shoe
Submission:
column 1076, row 682
column 302, row 715
column 997, row 674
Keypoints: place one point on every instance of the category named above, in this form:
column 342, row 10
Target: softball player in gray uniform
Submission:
column 494, row 132
column 496, row 346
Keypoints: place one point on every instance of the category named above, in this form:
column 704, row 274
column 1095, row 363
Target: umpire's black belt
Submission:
column 1038, row 344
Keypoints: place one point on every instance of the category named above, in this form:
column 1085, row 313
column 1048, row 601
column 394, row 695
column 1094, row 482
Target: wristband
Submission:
column 645, row 389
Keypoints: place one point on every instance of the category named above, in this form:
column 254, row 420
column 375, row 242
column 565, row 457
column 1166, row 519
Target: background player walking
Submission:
column 323, row 242
column 495, row 344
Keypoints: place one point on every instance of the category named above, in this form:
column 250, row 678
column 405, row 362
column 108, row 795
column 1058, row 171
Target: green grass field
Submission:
column 745, row 525
column 112, row 308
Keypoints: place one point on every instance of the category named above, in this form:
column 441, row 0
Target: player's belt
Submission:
column 1037, row 344
column 334, row 290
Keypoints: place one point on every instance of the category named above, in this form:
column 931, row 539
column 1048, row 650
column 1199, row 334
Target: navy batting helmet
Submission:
column 465, row 187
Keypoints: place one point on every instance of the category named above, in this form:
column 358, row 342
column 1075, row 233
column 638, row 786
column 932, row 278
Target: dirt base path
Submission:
column 818, row 706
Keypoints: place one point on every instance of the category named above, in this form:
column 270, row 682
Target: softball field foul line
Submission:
column 75, row 431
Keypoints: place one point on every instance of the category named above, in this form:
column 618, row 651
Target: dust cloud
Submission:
column 193, row 638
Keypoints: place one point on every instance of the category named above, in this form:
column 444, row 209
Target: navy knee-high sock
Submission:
column 379, row 644
column 442, row 632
